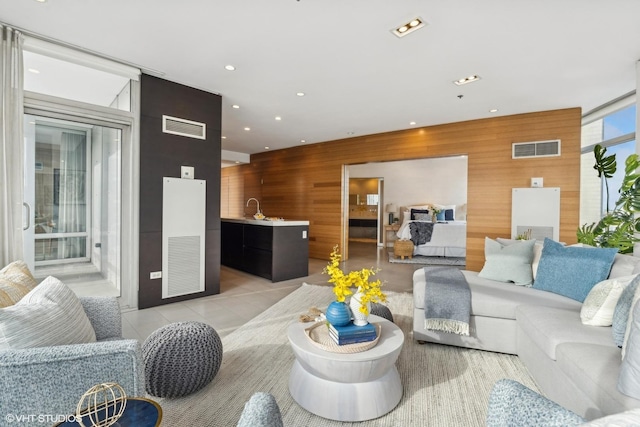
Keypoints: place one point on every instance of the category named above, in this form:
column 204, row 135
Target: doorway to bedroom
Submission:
column 405, row 183
column 364, row 212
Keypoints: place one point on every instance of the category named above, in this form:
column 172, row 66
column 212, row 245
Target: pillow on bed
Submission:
column 406, row 211
column 449, row 214
column 420, row 214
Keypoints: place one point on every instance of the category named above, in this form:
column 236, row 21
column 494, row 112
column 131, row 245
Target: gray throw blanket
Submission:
column 447, row 300
column 421, row 232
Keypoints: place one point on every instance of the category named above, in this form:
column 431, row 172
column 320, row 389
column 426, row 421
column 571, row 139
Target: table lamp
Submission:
column 391, row 209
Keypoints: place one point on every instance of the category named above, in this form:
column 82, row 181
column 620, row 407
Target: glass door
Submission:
column 72, row 190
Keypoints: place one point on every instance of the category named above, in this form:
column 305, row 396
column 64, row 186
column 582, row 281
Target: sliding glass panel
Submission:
column 61, row 187
column 74, row 192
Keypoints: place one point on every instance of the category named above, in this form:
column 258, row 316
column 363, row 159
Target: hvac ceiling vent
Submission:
column 184, row 127
column 525, row 150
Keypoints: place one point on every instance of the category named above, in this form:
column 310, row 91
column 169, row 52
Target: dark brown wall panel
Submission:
column 163, row 154
column 305, row 182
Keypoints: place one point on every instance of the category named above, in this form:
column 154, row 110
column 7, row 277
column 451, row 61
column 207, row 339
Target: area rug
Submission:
column 428, row 260
column 443, row 385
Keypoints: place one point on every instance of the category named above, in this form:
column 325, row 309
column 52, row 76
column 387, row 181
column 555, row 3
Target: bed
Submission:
column 448, row 238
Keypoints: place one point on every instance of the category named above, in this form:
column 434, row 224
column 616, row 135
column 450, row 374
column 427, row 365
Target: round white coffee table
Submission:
column 347, row 387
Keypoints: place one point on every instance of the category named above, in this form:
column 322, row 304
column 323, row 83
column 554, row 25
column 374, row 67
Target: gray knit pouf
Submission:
column 382, row 311
column 181, row 358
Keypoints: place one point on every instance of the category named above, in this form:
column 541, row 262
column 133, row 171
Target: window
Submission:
column 614, row 130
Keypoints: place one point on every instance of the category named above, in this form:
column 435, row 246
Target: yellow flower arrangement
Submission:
column 358, row 279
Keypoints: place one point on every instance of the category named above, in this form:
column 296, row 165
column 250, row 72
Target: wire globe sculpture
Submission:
column 101, row 406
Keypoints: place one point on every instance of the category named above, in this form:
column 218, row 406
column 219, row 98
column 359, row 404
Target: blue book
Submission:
column 352, row 340
column 351, row 330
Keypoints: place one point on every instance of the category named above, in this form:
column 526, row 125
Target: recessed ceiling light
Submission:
column 409, row 27
column 300, row 93
column 493, row 110
column 303, row 140
column 412, row 123
column 229, row 67
column 235, row 106
column 278, row 118
column 41, row 1
column 349, row 133
column 34, row 71
column 247, row 128
column 266, row 148
column 466, row 80
column 223, row 137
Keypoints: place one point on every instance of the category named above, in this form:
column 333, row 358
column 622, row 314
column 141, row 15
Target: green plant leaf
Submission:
column 605, row 165
column 618, row 228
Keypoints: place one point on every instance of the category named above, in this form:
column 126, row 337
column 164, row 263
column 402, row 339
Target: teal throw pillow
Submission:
column 572, row 271
column 508, row 263
column 440, row 216
column 621, row 312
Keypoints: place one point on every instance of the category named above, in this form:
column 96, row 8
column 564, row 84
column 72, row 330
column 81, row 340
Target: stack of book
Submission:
column 351, row 334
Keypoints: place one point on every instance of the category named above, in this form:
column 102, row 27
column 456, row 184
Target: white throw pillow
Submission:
column 508, row 263
column 49, row 315
column 627, row 418
column 537, row 251
column 600, row 303
column 625, row 265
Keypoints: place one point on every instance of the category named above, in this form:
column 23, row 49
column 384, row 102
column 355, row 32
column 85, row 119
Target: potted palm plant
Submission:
column 618, row 228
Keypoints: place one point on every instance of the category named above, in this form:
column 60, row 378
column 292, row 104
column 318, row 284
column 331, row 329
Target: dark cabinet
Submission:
column 273, row 252
column 232, row 253
column 363, row 228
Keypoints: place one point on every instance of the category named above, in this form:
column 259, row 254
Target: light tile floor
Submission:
column 243, row 296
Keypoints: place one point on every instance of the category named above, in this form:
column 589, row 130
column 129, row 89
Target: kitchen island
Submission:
column 276, row 250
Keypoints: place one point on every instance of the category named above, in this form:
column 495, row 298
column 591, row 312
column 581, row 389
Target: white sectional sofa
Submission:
column 574, row 364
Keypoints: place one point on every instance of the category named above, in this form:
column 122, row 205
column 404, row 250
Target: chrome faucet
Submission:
column 257, row 202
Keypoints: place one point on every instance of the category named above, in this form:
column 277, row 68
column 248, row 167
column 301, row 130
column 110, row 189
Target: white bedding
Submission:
column 448, row 239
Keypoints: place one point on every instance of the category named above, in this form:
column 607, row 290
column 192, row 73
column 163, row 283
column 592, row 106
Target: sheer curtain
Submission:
column 11, row 146
column 72, row 216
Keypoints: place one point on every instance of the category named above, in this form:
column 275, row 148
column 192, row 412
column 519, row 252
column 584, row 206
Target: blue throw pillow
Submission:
column 622, row 310
column 440, row 216
column 449, row 215
column 572, row 271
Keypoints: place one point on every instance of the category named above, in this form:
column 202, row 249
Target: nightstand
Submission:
column 393, row 229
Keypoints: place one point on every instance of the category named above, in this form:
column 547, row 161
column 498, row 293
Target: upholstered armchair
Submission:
column 51, row 380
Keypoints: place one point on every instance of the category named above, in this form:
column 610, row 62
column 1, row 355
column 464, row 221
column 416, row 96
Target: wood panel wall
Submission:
column 305, row 182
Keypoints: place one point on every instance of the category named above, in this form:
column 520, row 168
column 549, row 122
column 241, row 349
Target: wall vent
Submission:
column 184, row 204
column 184, row 127
column 524, row 150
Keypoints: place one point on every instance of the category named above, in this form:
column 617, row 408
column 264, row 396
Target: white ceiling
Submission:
column 357, row 76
